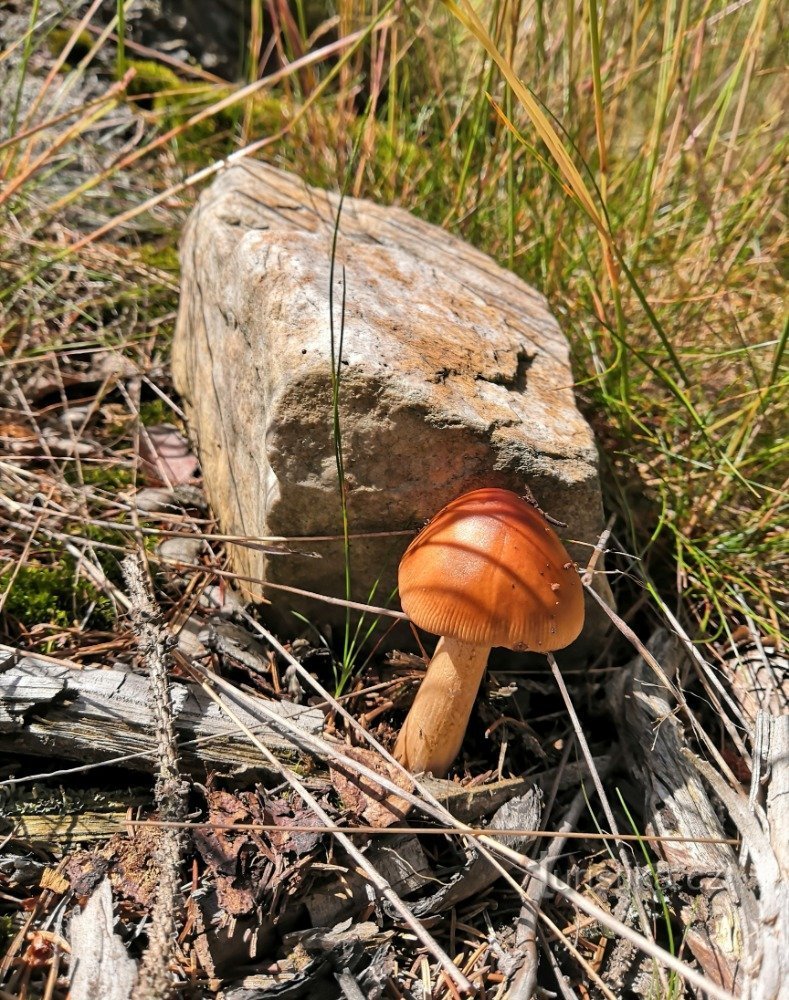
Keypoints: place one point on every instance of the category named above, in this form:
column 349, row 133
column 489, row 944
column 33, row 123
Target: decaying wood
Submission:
column 468, row 802
column 765, row 906
column 62, row 712
column 345, row 891
column 100, row 966
column 62, row 830
column 740, row 938
column 522, row 963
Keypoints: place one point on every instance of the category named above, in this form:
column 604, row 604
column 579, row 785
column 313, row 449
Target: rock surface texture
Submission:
column 453, row 375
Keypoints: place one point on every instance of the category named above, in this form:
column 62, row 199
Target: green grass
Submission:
column 626, row 159
column 631, row 170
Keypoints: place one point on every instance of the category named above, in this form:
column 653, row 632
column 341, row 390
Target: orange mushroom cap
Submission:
column 488, row 569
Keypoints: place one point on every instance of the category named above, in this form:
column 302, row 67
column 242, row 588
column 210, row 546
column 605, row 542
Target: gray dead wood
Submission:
column 100, row 966
column 762, row 824
column 738, row 936
column 344, row 891
column 676, row 803
column 522, row 813
column 521, row 965
column 65, row 713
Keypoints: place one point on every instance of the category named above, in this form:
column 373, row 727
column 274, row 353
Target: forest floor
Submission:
column 637, row 182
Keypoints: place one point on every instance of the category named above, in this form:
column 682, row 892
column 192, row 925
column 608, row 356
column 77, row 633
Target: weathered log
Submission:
column 59, row 711
column 739, row 936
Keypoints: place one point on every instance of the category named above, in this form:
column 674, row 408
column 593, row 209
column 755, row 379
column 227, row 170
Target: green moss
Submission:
column 104, row 477
column 59, row 38
column 151, row 78
column 202, row 142
column 163, row 256
column 268, row 115
column 154, row 412
column 52, row 595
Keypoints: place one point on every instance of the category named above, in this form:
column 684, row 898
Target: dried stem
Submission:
column 155, row 982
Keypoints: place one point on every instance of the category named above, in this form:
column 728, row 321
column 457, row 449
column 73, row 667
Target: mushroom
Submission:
column 487, row 570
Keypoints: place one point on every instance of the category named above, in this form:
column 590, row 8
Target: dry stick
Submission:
column 354, row 605
column 525, row 980
column 672, row 688
column 598, row 551
column 430, row 805
column 564, row 987
column 155, row 982
column 371, row 872
column 709, row 680
column 18, row 508
column 244, row 541
column 142, row 431
column 561, row 834
column 624, row 860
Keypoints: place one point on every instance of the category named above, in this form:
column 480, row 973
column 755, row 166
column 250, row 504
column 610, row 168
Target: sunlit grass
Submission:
column 626, row 160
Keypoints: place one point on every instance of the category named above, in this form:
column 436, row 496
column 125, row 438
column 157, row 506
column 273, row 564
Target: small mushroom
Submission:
column 487, row 570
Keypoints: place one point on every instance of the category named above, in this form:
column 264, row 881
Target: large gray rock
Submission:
column 454, row 375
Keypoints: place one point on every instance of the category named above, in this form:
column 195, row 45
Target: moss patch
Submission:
column 59, row 38
column 151, row 77
column 52, row 595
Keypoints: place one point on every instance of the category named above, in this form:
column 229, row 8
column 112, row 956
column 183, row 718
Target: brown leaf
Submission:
column 166, row 457
column 223, row 850
column 52, row 879
column 284, row 814
column 366, row 799
column 129, row 862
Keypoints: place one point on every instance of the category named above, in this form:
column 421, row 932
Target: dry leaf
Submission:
column 366, row 799
column 52, row 879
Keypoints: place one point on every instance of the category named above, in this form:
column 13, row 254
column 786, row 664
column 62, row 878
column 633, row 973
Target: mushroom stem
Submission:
column 434, row 728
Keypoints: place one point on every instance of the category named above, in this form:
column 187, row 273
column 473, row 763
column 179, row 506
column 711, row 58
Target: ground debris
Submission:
column 255, row 869
column 365, row 800
column 100, row 964
column 128, row 862
column 311, row 960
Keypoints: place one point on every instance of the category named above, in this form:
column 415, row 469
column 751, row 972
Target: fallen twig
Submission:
column 523, row 971
column 155, row 980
